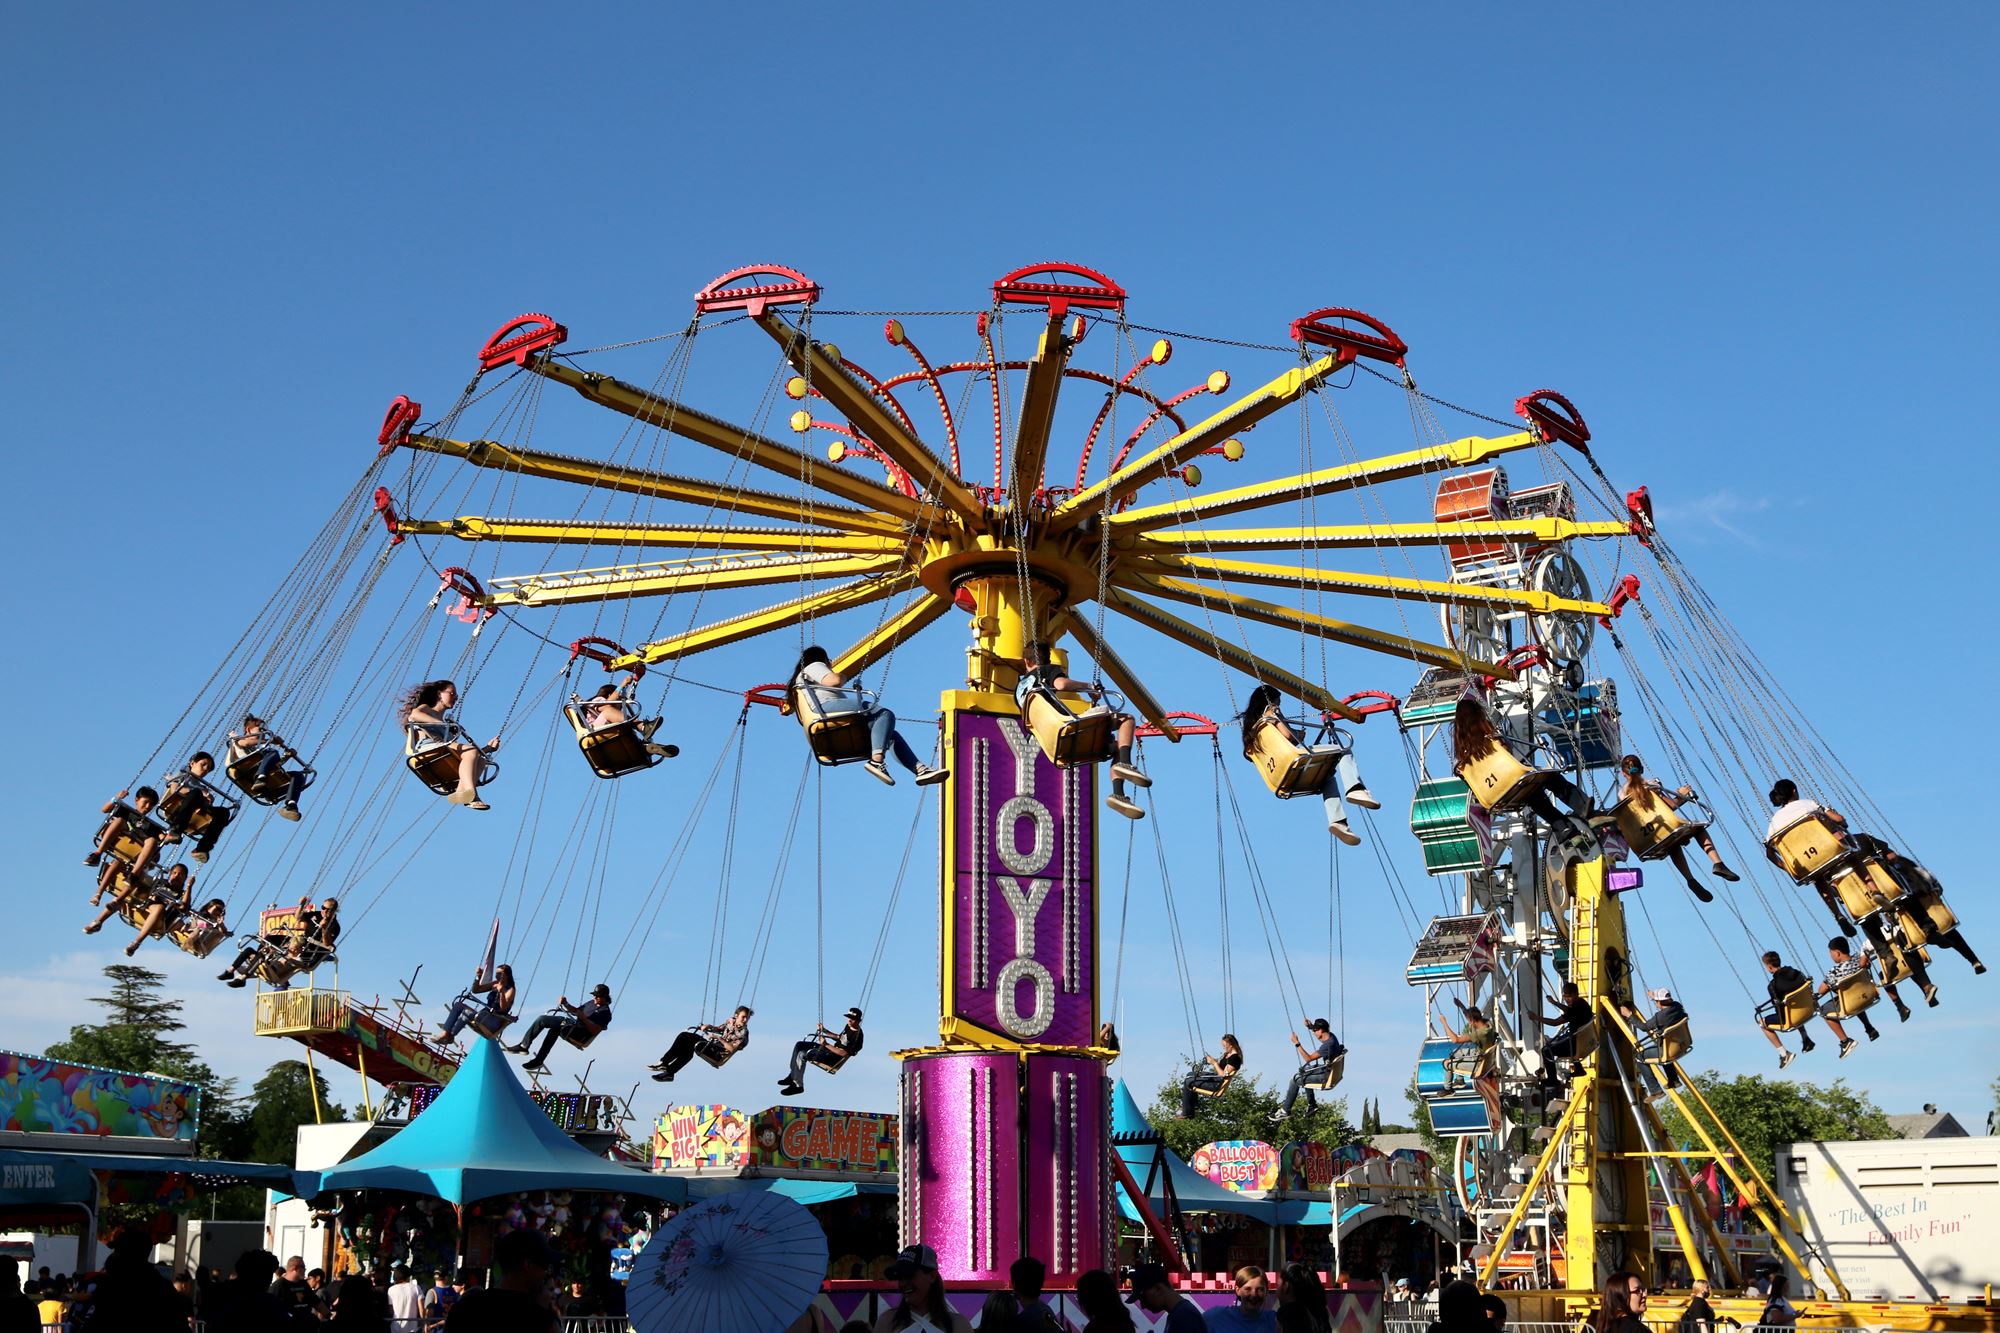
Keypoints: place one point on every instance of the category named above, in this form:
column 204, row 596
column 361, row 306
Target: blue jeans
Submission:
column 462, row 1011
column 883, row 737
column 272, row 761
column 1346, row 777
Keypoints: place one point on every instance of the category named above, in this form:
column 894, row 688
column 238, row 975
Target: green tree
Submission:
column 281, row 1101
column 1244, row 1112
column 1765, row 1112
column 137, row 1036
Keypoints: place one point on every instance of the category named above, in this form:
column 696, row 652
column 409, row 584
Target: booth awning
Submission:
column 29, row 1176
column 483, row 1136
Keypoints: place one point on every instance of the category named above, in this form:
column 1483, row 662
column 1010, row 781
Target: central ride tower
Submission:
column 1006, row 1123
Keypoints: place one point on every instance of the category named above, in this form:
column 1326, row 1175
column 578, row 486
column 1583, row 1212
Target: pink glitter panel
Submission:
column 961, row 1162
column 1067, row 1187
column 1023, row 891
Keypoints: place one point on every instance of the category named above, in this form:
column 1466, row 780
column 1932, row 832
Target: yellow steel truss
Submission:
column 1025, row 564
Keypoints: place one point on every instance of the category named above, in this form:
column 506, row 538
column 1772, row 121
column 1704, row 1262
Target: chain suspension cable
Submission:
column 1267, row 911
column 767, row 921
column 1183, row 971
column 880, row 952
column 669, row 872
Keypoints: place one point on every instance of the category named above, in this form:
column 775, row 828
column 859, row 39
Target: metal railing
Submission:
column 308, row 1009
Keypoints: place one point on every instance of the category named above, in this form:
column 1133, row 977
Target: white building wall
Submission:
column 1900, row 1219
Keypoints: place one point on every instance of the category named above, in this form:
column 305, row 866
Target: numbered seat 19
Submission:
column 138, row 831
column 1674, row 1043
column 1288, row 768
column 1864, row 886
column 615, row 750
column 1794, row 1012
column 1652, row 828
column 1810, row 847
column 435, row 762
column 1070, row 739
column 1499, row 781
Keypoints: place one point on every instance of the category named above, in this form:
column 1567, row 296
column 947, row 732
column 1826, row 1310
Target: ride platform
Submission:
column 365, row 1038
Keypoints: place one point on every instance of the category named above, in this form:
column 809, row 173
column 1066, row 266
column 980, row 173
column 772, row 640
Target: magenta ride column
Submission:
column 1005, row 1149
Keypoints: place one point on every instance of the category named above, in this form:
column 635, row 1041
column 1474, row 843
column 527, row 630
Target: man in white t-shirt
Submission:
column 1791, row 809
column 406, row 1302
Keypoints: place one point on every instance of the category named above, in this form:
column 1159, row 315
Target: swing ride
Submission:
column 1511, row 724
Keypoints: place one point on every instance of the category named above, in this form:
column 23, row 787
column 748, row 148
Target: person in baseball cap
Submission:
column 1153, row 1291
column 916, row 1274
column 828, row 1049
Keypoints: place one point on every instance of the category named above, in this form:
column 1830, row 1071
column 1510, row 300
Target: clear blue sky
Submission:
column 1753, row 245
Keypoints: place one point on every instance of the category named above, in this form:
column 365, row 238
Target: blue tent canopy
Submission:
column 1196, row 1192
column 483, row 1136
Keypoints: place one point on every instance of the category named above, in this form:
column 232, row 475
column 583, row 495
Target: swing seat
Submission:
column 1934, row 916
column 1288, row 768
column 822, row 1058
column 1071, row 740
column 1203, row 1090
column 1336, row 1069
column 1896, row 963
column 1797, row 1010
column 435, row 762
column 1852, row 996
column 1652, row 828
column 199, row 940
column 578, row 1034
column 1675, row 1041
column 1810, row 847
column 1454, row 831
column 139, row 830
column 198, row 816
column 271, row 789
column 1865, row 887
column 842, row 738
column 485, row 1019
column 710, row 1051
column 1499, row 781
column 618, row 749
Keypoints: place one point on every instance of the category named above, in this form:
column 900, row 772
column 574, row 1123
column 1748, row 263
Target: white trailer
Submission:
column 1900, row 1219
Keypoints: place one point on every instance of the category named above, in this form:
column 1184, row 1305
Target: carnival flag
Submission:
column 486, row 961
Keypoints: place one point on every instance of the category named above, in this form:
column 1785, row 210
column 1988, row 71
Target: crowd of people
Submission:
column 134, row 1295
